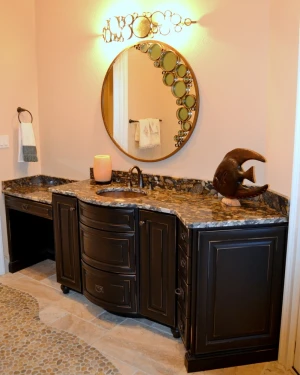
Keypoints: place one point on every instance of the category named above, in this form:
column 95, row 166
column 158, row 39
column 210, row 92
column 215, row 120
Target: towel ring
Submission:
column 20, row 110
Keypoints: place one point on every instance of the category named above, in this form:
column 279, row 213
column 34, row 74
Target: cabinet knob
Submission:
column 99, row 288
column 25, row 206
column 183, row 263
column 142, row 222
column 179, row 291
column 183, row 236
column 72, row 209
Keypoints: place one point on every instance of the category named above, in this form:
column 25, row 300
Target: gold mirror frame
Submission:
column 184, row 128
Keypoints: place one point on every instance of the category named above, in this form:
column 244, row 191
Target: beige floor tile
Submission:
column 51, row 281
column 273, row 368
column 50, row 314
column 254, row 369
column 79, row 327
column 107, row 320
column 77, row 304
column 150, row 350
column 124, row 368
column 158, row 326
column 11, row 276
column 40, row 270
column 221, row 371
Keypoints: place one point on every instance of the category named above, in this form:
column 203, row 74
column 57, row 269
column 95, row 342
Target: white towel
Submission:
column 27, row 146
column 144, row 133
column 154, row 131
column 147, row 133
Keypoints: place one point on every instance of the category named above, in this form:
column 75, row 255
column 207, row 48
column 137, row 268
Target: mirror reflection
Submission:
column 150, row 101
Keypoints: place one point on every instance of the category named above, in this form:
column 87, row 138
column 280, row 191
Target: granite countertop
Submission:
column 194, row 210
column 35, row 188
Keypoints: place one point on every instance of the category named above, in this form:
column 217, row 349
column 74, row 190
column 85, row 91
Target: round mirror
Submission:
column 150, row 101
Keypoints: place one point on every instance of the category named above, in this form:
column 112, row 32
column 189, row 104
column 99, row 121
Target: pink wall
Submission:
column 18, row 77
column 283, row 66
column 227, row 53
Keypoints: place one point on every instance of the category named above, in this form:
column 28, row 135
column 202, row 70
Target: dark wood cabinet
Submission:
column 221, row 289
column 158, row 266
column 237, row 296
column 66, row 236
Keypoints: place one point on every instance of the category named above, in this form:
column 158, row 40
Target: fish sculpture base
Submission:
column 231, row 202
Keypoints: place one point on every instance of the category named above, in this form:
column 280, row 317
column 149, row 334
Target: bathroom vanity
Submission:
column 213, row 274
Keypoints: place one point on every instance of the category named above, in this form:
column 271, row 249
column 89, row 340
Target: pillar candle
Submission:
column 102, row 168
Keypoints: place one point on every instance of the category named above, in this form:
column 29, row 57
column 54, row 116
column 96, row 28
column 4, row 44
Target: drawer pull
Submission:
column 183, row 263
column 25, row 206
column 99, row 288
column 180, row 327
column 72, row 209
column 179, row 291
column 142, row 222
column 183, row 236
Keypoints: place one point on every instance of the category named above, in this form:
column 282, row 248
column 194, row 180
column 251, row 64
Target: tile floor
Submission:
column 134, row 346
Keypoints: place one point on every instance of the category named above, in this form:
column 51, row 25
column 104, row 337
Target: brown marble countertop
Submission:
column 194, row 210
column 35, row 188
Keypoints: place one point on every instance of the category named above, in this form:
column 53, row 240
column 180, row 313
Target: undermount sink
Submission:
column 122, row 193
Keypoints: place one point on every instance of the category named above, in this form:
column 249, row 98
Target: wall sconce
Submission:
column 146, row 25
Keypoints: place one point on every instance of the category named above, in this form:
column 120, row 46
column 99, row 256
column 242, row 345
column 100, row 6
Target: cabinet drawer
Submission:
column 184, row 238
column 184, row 326
column 184, row 296
column 115, row 293
column 31, row 207
column 107, row 218
column 108, row 251
column 184, row 265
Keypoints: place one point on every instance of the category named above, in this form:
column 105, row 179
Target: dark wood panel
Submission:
column 184, row 326
column 115, row 293
column 66, row 236
column 108, row 251
column 158, row 266
column 29, row 206
column 184, row 265
column 239, row 288
column 184, row 238
column 184, row 296
column 107, row 218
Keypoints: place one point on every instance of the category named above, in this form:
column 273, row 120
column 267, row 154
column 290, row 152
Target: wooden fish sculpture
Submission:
column 229, row 175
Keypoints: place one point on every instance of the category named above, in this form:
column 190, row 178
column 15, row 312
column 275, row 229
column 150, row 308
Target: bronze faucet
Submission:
column 140, row 176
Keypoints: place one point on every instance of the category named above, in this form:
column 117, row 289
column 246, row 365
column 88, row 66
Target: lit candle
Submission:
column 102, row 169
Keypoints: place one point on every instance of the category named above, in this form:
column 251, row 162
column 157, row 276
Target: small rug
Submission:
column 28, row 346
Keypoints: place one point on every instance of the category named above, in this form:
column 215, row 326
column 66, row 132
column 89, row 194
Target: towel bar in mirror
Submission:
column 150, row 80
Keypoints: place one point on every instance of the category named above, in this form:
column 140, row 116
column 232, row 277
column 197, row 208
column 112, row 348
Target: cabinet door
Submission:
column 157, row 266
column 239, row 283
column 66, row 237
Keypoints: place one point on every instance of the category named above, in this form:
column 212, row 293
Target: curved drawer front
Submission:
column 115, row 293
column 107, row 218
column 30, row 207
column 108, row 251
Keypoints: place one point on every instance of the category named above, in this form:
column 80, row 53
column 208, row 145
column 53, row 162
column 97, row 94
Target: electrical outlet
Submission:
column 4, row 141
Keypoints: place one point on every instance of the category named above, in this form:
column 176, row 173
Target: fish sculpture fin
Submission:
column 249, row 174
column 248, row 192
column 241, row 155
